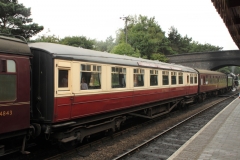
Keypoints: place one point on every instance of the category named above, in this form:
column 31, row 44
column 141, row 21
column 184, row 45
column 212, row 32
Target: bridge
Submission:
column 207, row 60
column 229, row 11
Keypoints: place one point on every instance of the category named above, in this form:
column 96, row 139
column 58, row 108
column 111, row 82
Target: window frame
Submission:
column 180, row 74
column 117, row 70
column 165, row 74
column 195, row 79
column 93, row 69
column 191, row 78
column 136, row 73
column 68, row 79
column 154, row 73
column 4, row 71
column 174, row 74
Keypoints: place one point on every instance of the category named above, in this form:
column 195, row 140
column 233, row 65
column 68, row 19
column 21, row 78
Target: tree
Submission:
column 165, row 47
column 78, row 41
column 49, row 38
column 105, row 46
column 125, row 49
column 178, row 43
column 185, row 44
column 145, row 35
column 196, row 47
column 14, row 19
column 159, row 57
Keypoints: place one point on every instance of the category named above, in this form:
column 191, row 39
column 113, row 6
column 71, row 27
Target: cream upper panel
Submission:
column 63, row 77
column 104, row 78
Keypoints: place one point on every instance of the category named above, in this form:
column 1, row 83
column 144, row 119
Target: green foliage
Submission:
column 144, row 34
column 78, row 41
column 49, row 38
column 14, row 19
column 125, row 49
column 105, row 46
column 178, row 43
column 230, row 69
column 165, row 47
column 159, row 57
column 196, row 47
column 185, row 44
column 225, row 70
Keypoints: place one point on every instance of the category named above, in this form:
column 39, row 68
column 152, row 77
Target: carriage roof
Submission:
column 76, row 53
column 14, row 46
column 203, row 71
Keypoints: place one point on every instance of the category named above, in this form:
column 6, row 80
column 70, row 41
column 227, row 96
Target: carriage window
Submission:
column 180, row 78
column 118, row 77
column 210, row 80
column 11, row 66
column 191, row 78
column 8, row 80
column 62, row 78
column 174, row 77
column 138, row 77
column 153, row 77
column 165, row 79
column 195, row 78
column 90, row 76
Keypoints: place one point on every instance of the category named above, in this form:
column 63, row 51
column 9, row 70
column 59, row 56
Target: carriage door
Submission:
column 63, row 95
column 14, row 94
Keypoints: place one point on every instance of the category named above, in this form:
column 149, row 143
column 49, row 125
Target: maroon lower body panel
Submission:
column 14, row 117
column 67, row 108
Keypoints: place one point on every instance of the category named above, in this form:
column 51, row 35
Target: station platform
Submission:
column 219, row 139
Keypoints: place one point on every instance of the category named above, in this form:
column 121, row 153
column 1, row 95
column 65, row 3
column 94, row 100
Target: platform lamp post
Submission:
column 126, row 19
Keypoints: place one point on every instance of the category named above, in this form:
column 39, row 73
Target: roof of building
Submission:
column 229, row 10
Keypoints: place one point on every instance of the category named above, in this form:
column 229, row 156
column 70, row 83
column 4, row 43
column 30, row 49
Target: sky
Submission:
column 99, row 19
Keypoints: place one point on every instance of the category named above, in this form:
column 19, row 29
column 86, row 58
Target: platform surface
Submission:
column 217, row 140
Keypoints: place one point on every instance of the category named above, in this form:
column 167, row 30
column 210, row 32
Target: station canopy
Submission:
column 229, row 10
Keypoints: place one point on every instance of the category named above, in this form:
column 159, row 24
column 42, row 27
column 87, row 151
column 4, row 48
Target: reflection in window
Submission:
column 90, row 75
column 138, row 77
column 195, row 78
column 153, row 77
column 191, row 78
column 180, row 78
column 11, row 66
column 8, row 80
column 118, row 77
column 174, row 78
column 165, row 79
column 62, row 78
column 7, row 87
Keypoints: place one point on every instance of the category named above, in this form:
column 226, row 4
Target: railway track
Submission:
column 126, row 142
column 163, row 145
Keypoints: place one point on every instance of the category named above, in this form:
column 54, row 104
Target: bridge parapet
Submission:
column 207, row 60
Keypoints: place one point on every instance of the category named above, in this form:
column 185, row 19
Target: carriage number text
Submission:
column 6, row 113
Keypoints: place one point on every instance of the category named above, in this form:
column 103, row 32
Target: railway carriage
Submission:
column 67, row 93
column 14, row 91
column 117, row 86
column 212, row 83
